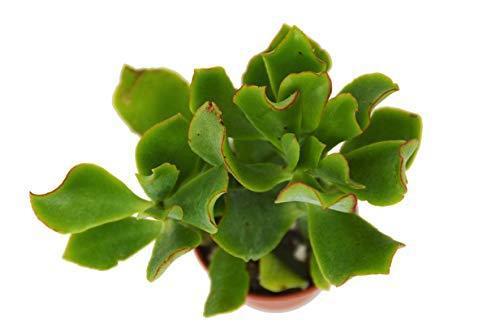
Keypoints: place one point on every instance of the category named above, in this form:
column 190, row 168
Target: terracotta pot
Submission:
column 278, row 303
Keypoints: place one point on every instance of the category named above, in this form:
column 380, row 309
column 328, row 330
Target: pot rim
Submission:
column 311, row 289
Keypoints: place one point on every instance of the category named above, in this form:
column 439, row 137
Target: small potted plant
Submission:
column 247, row 178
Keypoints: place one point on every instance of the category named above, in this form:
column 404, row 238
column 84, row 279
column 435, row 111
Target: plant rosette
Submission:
column 247, row 177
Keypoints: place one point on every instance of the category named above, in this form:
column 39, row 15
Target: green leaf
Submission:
column 345, row 245
column 313, row 92
column 197, row 198
column 167, row 142
column 381, row 167
column 229, row 284
column 256, row 73
column 310, row 153
column 271, row 119
column 175, row 240
column 206, row 134
column 334, row 168
column 213, row 84
column 369, row 90
column 338, row 122
column 255, row 151
column 291, row 150
column 388, row 124
column 104, row 246
column 148, row 96
column 159, row 184
column 276, row 276
column 89, row 196
column 292, row 55
column 249, row 232
column 258, row 177
column 332, row 199
column 317, row 276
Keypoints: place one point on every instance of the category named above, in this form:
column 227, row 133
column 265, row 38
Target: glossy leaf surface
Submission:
column 104, row 246
column 175, row 240
column 276, row 276
column 311, row 152
column 388, row 124
column 291, row 150
column 89, row 196
column 148, row 96
column 197, row 197
column 334, row 169
column 229, row 284
column 166, row 142
column 253, row 224
column 381, row 168
column 159, row 184
column 345, row 245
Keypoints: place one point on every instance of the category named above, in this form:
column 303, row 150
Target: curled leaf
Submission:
column 89, row 196
column 229, row 284
column 196, row 199
column 311, row 151
column 213, row 84
column 381, row 168
column 292, row 55
column 104, row 246
column 334, row 169
column 345, row 245
column 148, row 96
column 338, row 122
column 167, row 142
column 291, row 150
column 388, row 124
column 175, row 240
column 369, row 90
column 159, row 184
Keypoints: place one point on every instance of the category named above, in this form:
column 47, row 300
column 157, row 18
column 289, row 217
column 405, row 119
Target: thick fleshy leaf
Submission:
column 175, row 240
column 388, row 124
column 271, row 119
column 317, row 276
column 292, row 55
column 381, row 168
column 314, row 90
column 257, row 177
column 104, row 246
column 332, row 199
column 255, row 151
column 229, row 284
column 197, row 197
column 256, row 73
column 334, row 169
column 276, row 276
column 89, row 196
column 213, row 84
column 253, row 225
column 369, row 90
column 338, row 122
column 206, row 134
column 311, row 151
column 159, row 184
column 148, row 96
column 291, row 150
column 345, row 245
column 167, row 142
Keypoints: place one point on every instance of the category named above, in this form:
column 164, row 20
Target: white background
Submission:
column 60, row 62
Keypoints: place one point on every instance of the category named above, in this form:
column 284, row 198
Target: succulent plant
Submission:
column 248, row 176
